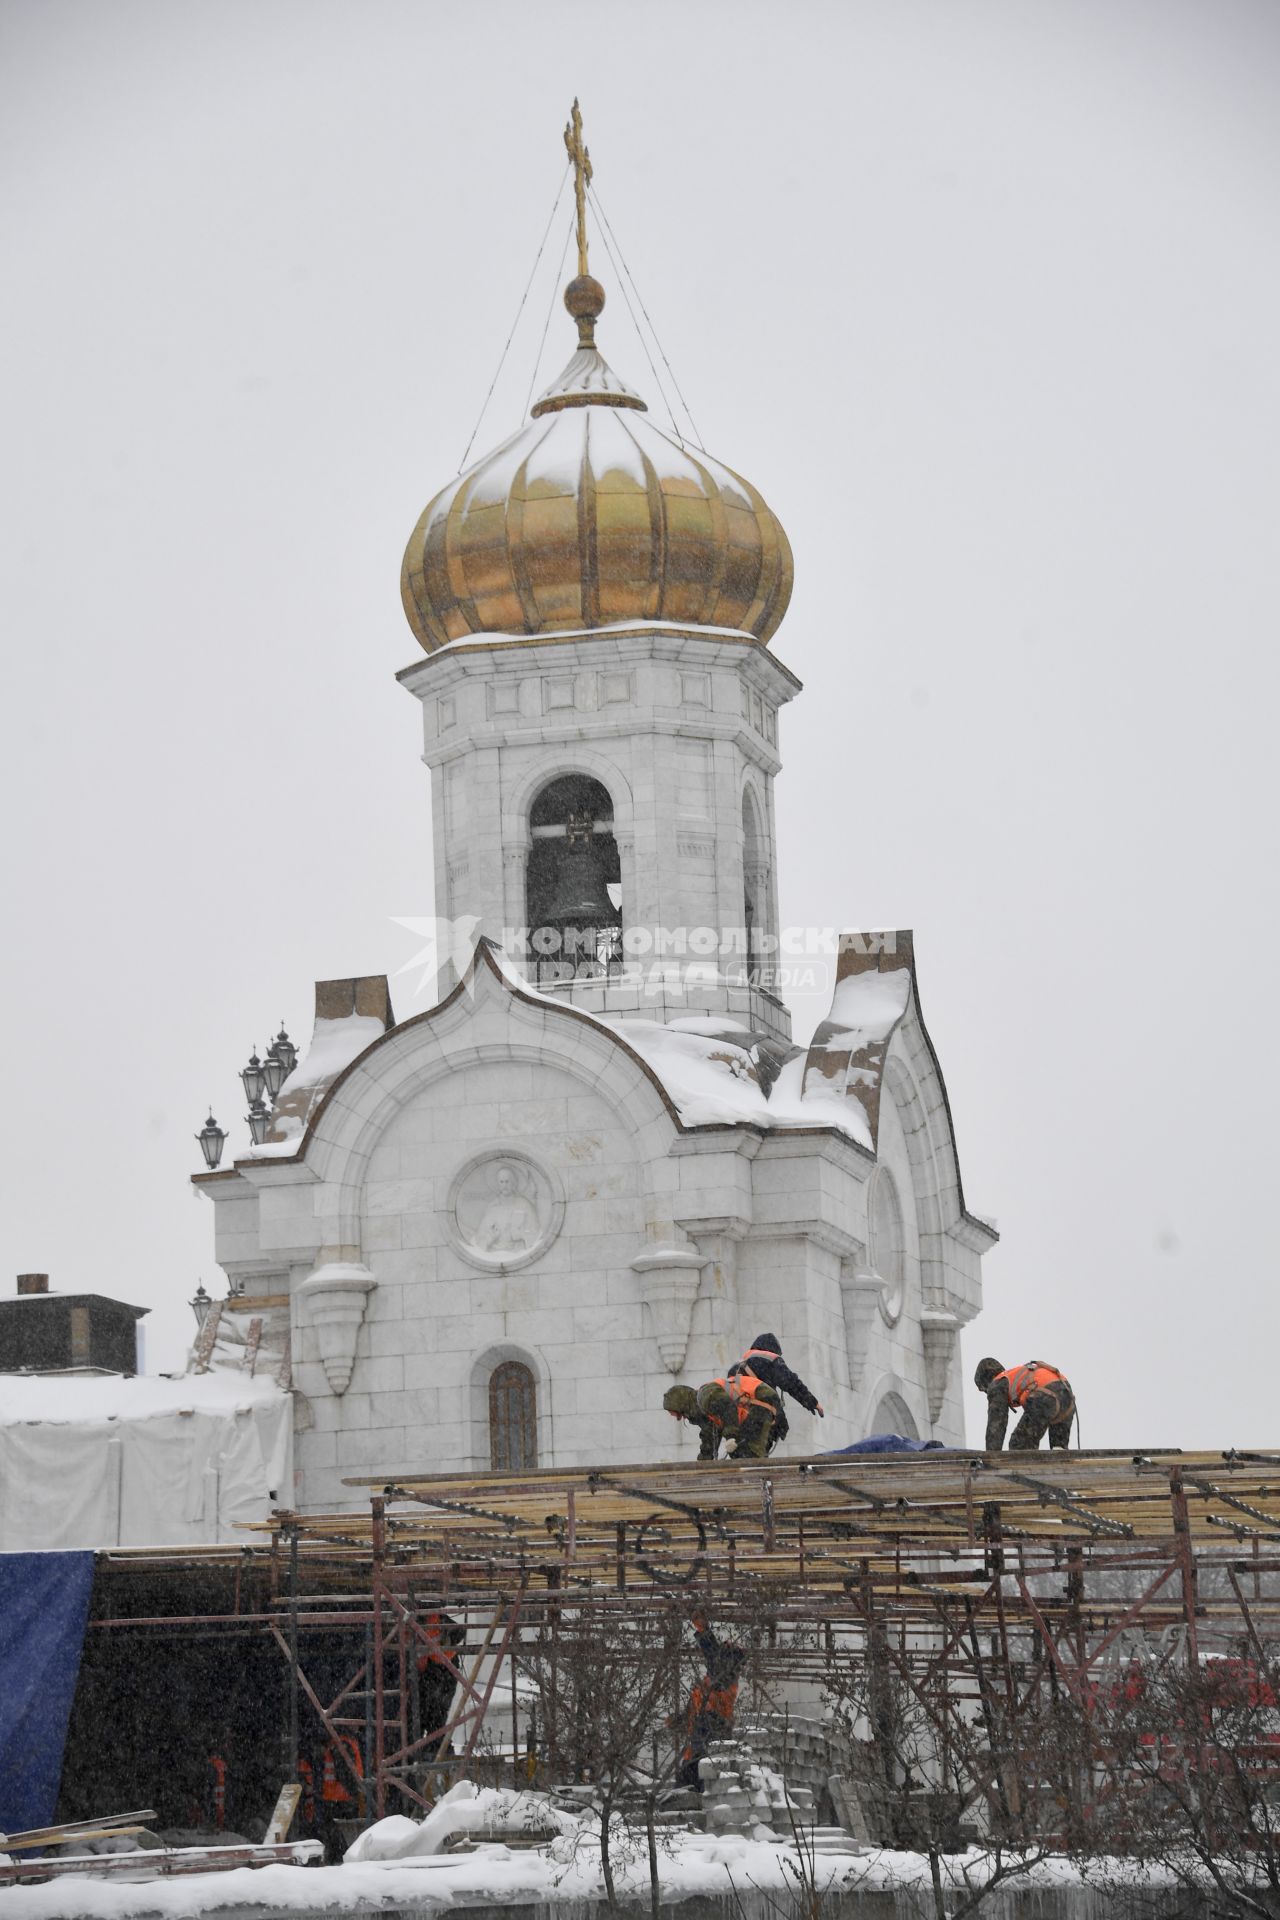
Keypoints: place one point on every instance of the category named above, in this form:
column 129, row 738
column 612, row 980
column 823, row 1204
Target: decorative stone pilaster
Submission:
column 862, row 1291
column 940, row 1331
column 669, row 1278
column 333, row 1299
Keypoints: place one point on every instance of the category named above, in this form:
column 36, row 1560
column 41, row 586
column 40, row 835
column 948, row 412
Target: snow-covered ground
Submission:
column 397, row 1867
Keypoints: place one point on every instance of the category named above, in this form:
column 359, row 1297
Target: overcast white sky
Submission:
column 984, row 297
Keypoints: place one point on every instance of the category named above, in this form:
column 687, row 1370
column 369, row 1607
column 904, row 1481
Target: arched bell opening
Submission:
column 573, row 880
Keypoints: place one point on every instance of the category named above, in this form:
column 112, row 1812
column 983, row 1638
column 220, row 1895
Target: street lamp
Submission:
column 259, row 1118
column 212, row 1139
column 273, row 1072
column 254, row 1078
column 285, row 1050
column 200, row 1306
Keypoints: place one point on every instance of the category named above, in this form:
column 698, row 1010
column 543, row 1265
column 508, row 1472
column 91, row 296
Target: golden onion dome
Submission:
column 591, row 517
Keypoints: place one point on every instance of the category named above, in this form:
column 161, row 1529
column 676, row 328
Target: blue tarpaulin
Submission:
column 889, row 1443
column 44, row 1603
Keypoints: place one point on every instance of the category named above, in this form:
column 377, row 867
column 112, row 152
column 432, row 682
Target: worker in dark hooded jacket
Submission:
column 764, row 1359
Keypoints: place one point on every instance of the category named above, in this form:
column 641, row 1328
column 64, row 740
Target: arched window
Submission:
column 888, row 1252
column 513, row 1417
column 573, row 880
column 755, row 876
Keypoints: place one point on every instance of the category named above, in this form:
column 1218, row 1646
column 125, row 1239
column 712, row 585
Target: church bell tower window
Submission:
column 755, row 879
column 573, row 880
column 513, row 1418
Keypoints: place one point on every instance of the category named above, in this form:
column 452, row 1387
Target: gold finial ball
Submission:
column 584, row 297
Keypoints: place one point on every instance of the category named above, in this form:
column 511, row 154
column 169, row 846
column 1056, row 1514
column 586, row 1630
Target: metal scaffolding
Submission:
column 980, row 1581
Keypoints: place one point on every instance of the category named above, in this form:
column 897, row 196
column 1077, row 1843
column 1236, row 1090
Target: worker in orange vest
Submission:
column 218, row 1767
column 709, row 1714
column 682, row 1404
column 1041, row 1394
column 335, row 1779
column 745, row 1410
column 340, row 1796
column 438, row 1677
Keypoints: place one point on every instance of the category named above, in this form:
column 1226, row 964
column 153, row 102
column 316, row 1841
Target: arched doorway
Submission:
column 893, row 1415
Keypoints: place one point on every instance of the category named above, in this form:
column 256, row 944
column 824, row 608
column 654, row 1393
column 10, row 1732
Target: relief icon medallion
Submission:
column 504, row 1210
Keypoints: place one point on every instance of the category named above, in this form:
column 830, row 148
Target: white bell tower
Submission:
column 596, row 601
column 678, row 729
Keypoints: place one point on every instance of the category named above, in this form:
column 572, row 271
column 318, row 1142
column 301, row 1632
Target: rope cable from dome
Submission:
column 546, row 325
column 607, row 234
column 502, row 358
column 623, row 276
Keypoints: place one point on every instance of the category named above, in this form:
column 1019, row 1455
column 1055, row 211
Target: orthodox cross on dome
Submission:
column 581, row 159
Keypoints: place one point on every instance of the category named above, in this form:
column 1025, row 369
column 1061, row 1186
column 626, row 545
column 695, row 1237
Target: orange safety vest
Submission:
column 307, row 1781
column 744, row 1390
column 716, row 1702
column 333, row 1787
column 1021, row 1381
column 219, row 1766
column 434, row 1654
column 758, row 1353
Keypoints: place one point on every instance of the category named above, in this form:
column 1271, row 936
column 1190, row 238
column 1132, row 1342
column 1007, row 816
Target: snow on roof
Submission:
column 710, row 1070
column 846, row 1057
column 334, row 1045
column 701, row 632
column 588, row 372
column 89, row 1399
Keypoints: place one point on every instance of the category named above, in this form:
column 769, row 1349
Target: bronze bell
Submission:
column 580, row 895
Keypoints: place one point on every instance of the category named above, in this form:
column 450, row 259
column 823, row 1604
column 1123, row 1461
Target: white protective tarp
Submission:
column 103, row 1461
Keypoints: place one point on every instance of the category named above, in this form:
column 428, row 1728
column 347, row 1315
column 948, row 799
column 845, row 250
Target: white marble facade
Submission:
column 506, row 1179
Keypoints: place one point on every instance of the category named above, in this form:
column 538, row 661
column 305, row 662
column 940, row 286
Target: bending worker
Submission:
column 743, row 1408
column 682, row 1404
column 1039, row 1391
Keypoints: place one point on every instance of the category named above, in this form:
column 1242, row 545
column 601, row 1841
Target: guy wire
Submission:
column 516, row 322
column 657, row 377
column 533, row 378
column 604, row 222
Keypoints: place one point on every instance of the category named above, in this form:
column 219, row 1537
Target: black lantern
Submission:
column 212, row 1139
column 259, row 1118
column 200, row 1306
column 273, row 1072
column 253, row 1078
column 284, row 1049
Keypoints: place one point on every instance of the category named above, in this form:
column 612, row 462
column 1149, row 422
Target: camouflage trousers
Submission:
column 1048, row 1409
column 751, row 1434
